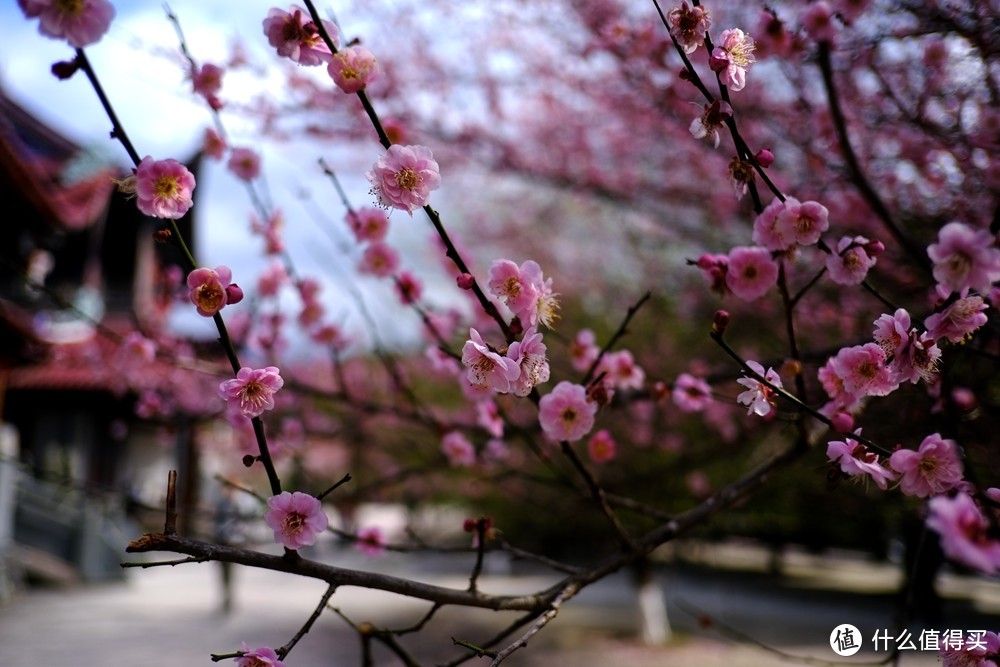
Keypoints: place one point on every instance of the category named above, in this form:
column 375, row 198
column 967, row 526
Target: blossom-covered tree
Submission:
column 638, row 302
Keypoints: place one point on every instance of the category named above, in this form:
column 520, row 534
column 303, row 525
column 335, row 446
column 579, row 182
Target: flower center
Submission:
column 71, row 7
column 210, row 296
column 407, row 179
column 959, row 264
column 569, row 417
column 167, row 188
column 927, row 466
column 741, row 54
column 294, row 522
column 861, row 453
column 868, row 369
column 253, row 394
column 512, row 287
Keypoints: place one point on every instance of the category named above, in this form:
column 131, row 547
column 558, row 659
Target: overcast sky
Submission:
column 163, row 119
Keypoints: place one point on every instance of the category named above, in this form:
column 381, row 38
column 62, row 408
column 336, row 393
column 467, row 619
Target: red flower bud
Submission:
column 720, row 321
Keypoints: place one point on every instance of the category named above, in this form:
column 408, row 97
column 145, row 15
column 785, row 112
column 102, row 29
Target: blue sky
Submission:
column 163, row 119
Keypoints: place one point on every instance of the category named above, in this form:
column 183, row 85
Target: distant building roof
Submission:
column 34, row 158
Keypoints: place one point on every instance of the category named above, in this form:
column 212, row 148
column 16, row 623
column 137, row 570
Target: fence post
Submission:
column 9, row 473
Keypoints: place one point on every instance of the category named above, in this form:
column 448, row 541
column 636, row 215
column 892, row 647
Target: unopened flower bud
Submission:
column 764, row 157
column 660, row 390
column 234, row 293
column 599, row 394
column 248, row 460
column 842, row 422
column 465, row 281
column 791, row 368
column 720, row 321
column 516, row 327
column 64, row 69
column 875, row 248
column 964, row 399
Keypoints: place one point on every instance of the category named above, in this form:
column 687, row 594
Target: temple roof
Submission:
column 34, row 158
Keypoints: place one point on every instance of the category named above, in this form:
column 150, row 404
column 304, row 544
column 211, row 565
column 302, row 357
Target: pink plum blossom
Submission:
column 296, row 518
column 525, row 291
column 272, row 279
column 409, row 289
column 913, row 356
column 213, row 144
column 732, row 58
column 958, row 321
column 244, row 163
column 459, row 451
column 379, row 259
column 252, row 390
column 272, row 230
column 530, row 355
column 565, row 413
column 833, row 384
column 933, row 468
column 711, row 120
column 964, row 258
column 353, row 68
column 507, row 283
column 853, row 258
column 715, row 268
column 138, row 349
column 766, row 231
column 802, row 222
column 976, row 648
column 370, row 541
column 741, row 175
column 81, row 22
column 855, row 459
column 212, row 289
column 404, row 177
column 207, row 82
column 817, row 19
column 774, row 38
column 691, row 394
column 583, row 350
column 601, row 447
column 496, row 451
column 264, row 656
column 688, row 25
column 758, row 397
column 295, row 36
column 621, row 370
column 329, row 334
column 368, row 223
column 965, row 532
column 488, row 416
column 863, row 370
column 163, row 188
column 751, row 272
column 487, row 369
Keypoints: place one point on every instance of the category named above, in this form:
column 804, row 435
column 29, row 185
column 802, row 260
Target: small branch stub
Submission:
column 170, row 525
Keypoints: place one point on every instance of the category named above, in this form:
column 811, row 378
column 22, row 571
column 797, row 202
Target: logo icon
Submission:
column 845, row 640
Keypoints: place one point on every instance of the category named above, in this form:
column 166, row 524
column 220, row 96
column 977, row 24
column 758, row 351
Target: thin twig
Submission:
column 307, row 626
column 170, row 523
column 568, row 592
column 615, row 337
column 861, row 181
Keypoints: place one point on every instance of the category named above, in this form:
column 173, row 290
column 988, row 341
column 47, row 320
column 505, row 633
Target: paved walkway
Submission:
column 165, row 617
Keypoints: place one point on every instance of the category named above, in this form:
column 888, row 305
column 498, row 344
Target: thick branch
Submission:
column 336, row 576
